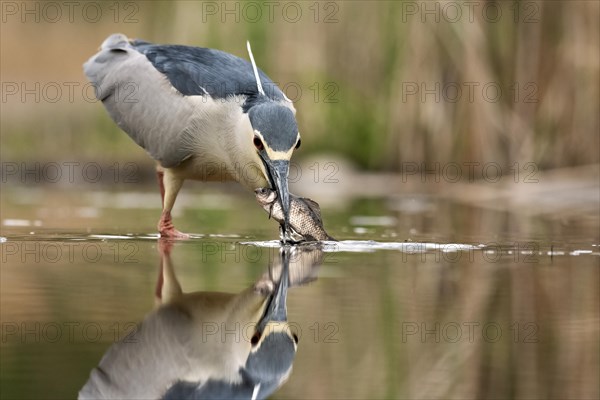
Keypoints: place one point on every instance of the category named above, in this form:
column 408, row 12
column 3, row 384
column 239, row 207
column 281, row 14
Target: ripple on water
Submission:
column 356, row 246
column 369, row 246
column 372, row 245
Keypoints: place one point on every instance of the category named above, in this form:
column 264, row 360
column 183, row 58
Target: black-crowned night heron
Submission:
column 204, row 344
column 201, row 113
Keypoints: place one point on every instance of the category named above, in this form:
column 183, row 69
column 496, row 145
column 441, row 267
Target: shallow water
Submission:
column 442, row 301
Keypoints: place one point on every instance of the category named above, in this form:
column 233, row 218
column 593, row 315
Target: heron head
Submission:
column 275, row 138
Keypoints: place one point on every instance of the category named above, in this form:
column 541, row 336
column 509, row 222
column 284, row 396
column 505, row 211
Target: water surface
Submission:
column 440, row 300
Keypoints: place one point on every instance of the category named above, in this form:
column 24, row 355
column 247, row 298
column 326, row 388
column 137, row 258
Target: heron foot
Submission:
column 172, row 233
column 167, row 229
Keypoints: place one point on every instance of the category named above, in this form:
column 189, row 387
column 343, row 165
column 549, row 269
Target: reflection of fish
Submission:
column 305, row 215
column 202, row 345
column 304, row 263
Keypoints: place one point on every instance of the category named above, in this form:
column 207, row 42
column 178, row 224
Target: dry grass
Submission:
column 374, row 54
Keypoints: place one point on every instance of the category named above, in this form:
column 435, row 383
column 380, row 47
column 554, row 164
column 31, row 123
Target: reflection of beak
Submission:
column 278, row 175
column 277, row 309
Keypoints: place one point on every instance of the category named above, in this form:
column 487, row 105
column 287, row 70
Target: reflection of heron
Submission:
column 201, row 114
column 205, row 344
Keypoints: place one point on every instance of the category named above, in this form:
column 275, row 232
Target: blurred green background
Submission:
column 379, row 83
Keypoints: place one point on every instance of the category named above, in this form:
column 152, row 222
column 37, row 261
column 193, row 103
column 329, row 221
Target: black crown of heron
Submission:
column 196, row 107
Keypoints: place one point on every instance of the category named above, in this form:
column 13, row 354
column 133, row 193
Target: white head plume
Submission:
column 258, row 84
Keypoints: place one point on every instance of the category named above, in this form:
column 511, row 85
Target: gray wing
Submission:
column 168, row 98
column 198, row 71
column 141, row 100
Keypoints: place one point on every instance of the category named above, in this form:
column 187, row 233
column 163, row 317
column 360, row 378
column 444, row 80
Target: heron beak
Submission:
column 278, row 174
column 277, row 308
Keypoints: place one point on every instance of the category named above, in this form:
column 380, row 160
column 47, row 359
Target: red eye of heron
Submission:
column 298, row 143
column 258, row 143
column 255, row 338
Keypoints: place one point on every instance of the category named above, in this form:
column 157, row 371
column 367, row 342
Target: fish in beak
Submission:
column 278, row 175
column 304, row 219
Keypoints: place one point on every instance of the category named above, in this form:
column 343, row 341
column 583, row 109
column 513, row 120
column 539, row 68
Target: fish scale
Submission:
column 304, row 218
